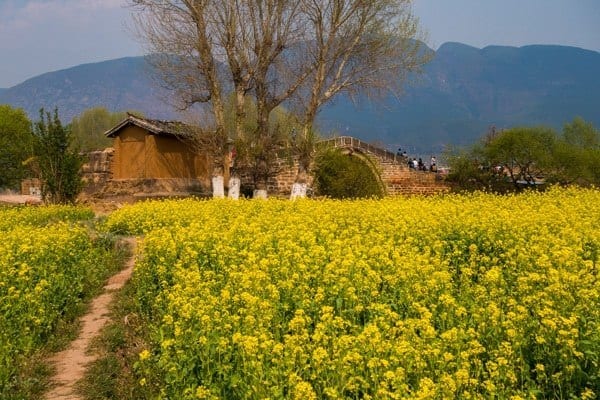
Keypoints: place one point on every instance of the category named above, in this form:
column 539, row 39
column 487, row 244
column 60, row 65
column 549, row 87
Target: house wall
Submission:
column 167, row 157
column 139, row 155
column 129, row 160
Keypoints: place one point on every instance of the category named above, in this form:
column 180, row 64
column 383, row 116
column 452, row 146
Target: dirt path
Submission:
column 14, row 199
column 71, row 363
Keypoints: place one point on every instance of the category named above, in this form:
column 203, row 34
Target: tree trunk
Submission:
column 260, row 194
column 260, row 189
column 298, row 191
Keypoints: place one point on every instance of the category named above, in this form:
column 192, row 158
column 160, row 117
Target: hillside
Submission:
column 460, row 94
column 121, row 84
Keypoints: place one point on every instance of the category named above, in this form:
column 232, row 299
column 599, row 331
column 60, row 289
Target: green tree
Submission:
column 16, row 140
column 89, row 127
column 577, row 154
column 469, row 170
column 525, row 153
column 340, row 176
column 521, row 156
column 58, row 164
column 581, row 134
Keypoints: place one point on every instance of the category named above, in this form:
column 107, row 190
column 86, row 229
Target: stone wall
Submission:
column 282, row 183
column 151, row 188
column 279, row 185
column 396, row 176
column 96, row 171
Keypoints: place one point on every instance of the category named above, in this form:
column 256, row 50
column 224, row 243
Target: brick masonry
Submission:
column 400, row 180
column 396, row 176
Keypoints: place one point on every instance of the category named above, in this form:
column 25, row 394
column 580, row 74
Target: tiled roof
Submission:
column 154, row 126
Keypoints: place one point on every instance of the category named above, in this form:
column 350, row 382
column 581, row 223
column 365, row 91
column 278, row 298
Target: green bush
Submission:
column 340, row 176
column 59, row 167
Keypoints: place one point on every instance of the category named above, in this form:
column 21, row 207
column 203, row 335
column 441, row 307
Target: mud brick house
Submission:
column 153, row 149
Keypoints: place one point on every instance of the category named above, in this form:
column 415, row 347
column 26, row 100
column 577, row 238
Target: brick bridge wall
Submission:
column 400, row 180
column 395, row 174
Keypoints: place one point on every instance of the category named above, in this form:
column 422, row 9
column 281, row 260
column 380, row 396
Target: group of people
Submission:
column 418, row 164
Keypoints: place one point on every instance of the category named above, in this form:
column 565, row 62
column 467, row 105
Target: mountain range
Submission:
column 459, row 95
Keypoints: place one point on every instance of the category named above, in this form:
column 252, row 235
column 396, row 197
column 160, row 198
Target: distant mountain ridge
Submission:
column 460, row 94
column 464, row 90
column 120, row 84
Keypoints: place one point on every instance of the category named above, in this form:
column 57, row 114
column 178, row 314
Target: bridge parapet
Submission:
column 354, row 143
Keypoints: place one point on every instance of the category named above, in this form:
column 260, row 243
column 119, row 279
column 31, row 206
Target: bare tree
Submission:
column 356, row 46
column 301, row 51
column 180, row 42
column 254, row 35
column 201, row 48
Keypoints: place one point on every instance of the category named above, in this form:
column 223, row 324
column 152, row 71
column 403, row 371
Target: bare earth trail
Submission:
column 71, row 363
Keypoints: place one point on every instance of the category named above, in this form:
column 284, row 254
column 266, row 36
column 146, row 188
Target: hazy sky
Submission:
column 38, row 36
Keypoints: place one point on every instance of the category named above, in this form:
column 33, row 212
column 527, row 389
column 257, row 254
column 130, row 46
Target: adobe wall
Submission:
column 132, row 142
column 99, row 181
column 168, row 157
column 96, row 171
column 155, row 157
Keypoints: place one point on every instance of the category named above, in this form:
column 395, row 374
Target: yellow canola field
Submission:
column 13, row 217
column 475, row 296
column 45, row 267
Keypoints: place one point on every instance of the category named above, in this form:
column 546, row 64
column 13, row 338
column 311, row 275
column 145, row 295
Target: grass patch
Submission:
column 31, row 380
column 34, row 372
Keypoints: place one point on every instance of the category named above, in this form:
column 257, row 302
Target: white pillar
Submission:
column 218, row 187
column 298, row 191
column 234, row 188
column 259, row 194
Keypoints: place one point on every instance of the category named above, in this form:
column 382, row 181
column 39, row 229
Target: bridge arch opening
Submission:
column 347, row 173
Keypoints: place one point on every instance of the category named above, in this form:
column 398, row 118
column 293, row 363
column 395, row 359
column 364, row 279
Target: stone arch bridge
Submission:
column 395, row 175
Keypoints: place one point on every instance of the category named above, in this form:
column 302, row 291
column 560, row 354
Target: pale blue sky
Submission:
column 38, row 36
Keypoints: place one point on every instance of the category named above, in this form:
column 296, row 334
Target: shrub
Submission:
column 339, row 176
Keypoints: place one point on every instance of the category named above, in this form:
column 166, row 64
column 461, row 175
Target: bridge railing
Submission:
column 352, row 142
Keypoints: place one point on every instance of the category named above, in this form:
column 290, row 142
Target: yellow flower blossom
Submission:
column 426, row 297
